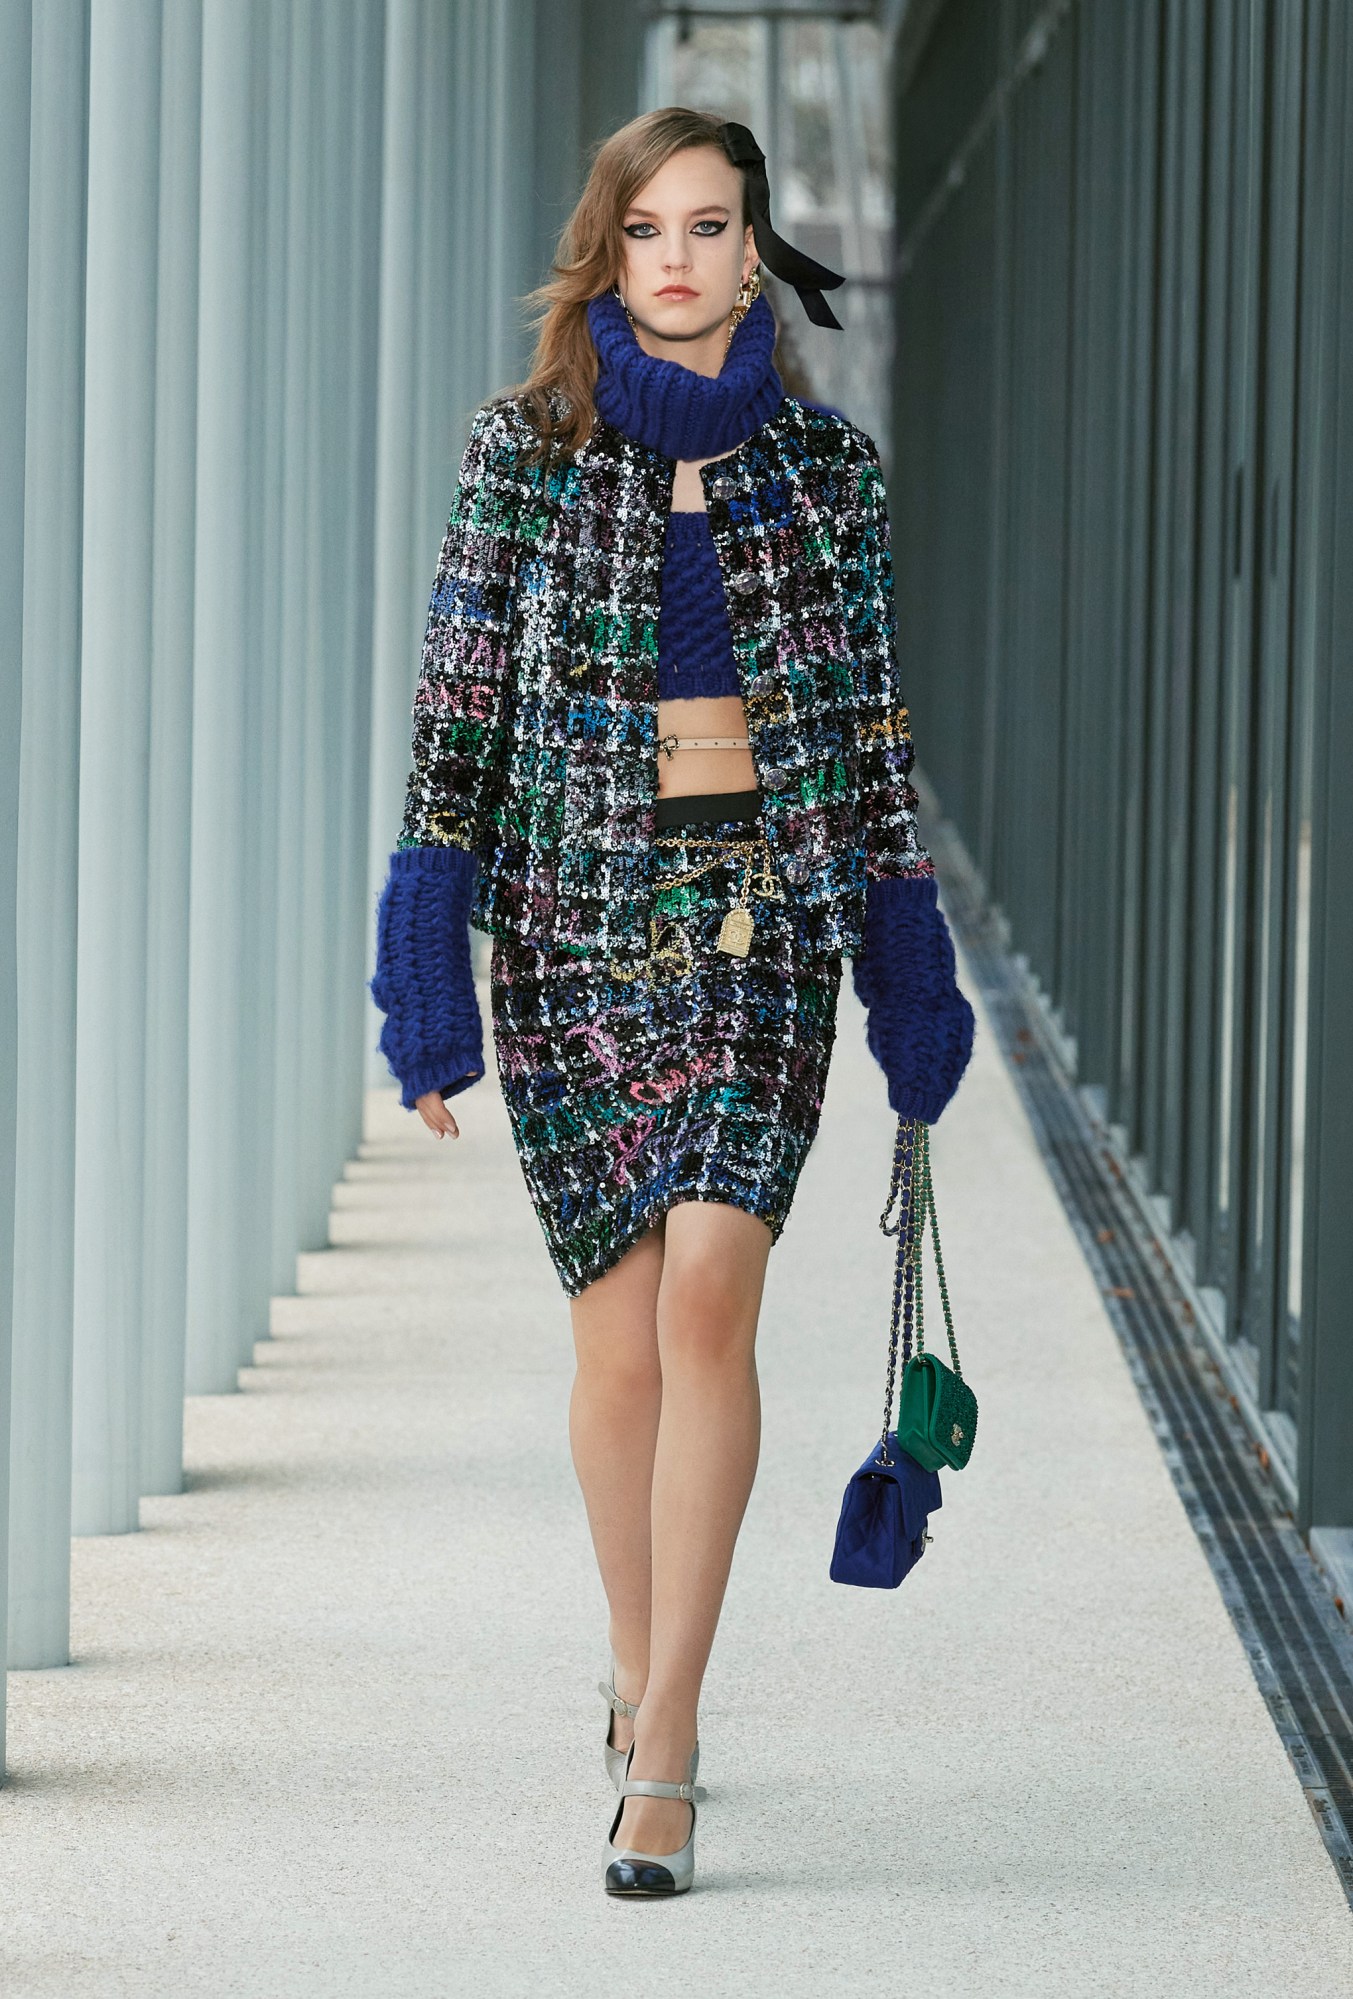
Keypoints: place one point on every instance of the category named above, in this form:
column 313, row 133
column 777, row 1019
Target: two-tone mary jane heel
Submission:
column 616, row 1759
column 632, row 1872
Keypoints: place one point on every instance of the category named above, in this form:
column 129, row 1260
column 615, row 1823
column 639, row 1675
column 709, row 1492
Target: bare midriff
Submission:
column 687, row 772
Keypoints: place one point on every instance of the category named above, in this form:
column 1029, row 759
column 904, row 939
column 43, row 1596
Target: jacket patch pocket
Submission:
column 589, row 798
column 605, row 823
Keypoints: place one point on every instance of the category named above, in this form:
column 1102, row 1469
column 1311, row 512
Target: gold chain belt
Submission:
column 739, row 925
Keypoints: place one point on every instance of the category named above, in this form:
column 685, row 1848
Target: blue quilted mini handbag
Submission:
column 882, row 1530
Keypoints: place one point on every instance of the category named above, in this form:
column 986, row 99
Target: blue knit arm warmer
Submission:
column 433, row 1038
column 919, row 1026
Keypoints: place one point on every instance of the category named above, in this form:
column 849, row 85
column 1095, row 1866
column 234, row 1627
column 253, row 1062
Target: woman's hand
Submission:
column 436, row 1114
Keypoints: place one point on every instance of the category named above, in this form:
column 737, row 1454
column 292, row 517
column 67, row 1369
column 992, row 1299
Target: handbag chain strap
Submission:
column 927, row 1208
column 902, row 1190
column 914, row 1194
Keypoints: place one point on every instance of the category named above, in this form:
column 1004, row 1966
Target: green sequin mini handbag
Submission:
column 937, row 1411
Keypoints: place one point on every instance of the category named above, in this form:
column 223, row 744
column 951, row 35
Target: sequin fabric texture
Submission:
column 641, row 1065
column 701, row 1078
column 535, row 717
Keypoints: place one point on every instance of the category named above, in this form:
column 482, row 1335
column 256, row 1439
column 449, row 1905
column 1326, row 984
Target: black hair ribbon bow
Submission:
column 782, row 260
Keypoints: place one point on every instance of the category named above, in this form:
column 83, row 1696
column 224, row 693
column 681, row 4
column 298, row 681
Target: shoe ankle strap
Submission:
column 656, row 1787
column 618, row 1706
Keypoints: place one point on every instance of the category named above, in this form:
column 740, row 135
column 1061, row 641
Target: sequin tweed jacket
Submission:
column 535, row 718
column 535, row 729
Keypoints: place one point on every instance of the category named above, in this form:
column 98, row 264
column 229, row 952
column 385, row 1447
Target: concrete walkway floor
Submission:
column 332, row 1727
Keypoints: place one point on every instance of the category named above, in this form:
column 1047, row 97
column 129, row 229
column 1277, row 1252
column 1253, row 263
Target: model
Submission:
column 661, row 756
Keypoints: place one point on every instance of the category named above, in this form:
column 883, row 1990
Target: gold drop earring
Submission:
column 628, row 314
column 748, row 293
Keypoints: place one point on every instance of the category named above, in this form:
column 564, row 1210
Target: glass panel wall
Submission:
column 1121, row 300
column 814, row 93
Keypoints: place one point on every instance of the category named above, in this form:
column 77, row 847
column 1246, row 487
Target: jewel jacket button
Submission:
column 743, row 583
column 774, row 776
column 723, row 488
column 794, row 869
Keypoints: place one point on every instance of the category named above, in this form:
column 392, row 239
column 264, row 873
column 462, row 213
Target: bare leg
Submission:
column 708, row 1439
column 613, row 1428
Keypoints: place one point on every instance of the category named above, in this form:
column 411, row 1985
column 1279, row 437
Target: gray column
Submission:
column 395, row 619
column 453, row 274
column 171, row 736
column 556, row 127
column 220, row 1141
column 510, row 222
column 336, row 800
column 363, row 334
column 320, row 734
column 610, row 89
column 309, row 750
column 468, row 238
column 124, row 90
column 296, row 636
column 40, row 1468
column 15, row 45
column 266, row 1228
column 258, row 111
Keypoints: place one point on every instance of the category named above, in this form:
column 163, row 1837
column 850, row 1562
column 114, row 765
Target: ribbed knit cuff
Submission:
column 433, row 1037
column 920, row 1026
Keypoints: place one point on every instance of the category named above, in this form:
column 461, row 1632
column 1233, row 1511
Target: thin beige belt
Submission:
column 671, row 744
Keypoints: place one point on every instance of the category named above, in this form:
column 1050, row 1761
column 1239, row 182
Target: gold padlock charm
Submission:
column 735, row 932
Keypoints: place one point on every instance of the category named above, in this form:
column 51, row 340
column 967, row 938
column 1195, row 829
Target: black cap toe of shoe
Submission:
column 639, row 1877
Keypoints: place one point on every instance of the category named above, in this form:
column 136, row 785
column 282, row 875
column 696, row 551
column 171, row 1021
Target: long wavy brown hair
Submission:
column 557, row 394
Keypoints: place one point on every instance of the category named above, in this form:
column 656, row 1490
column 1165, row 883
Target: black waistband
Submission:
column 704, row 808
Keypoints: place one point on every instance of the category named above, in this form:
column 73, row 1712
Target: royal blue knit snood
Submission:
column 673, row 409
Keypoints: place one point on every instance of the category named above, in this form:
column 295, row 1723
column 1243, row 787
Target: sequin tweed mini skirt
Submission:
column 698, row 1078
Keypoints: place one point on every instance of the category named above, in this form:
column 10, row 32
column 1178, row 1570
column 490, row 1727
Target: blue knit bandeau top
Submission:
column 695, row 645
